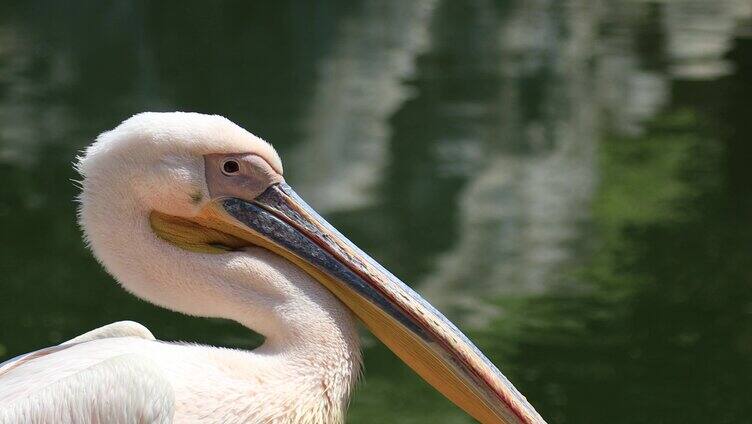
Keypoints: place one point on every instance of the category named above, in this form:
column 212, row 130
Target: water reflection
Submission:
column 357, row 89
column 699, row 35
column 530, row 162
column 568, row 180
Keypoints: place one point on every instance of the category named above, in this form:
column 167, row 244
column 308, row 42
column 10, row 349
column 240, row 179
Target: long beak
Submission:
column 420, row 335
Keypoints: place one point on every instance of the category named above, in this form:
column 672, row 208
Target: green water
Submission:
column 568, row 181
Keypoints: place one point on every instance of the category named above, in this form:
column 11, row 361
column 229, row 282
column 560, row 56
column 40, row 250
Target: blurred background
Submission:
column 569, row 181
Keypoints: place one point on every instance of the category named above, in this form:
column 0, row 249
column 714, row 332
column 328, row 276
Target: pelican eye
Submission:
column 230, row 167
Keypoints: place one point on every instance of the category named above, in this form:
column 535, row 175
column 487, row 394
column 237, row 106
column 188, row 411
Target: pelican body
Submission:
column 192, row 213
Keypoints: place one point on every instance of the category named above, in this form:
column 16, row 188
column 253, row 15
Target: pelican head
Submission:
column 192, row 212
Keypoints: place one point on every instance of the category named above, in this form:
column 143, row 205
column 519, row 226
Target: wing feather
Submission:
column 116, row 329
column 123, row 389
column 59, row 385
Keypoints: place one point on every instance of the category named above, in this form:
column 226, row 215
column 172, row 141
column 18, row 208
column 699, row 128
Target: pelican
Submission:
column 192, row 213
